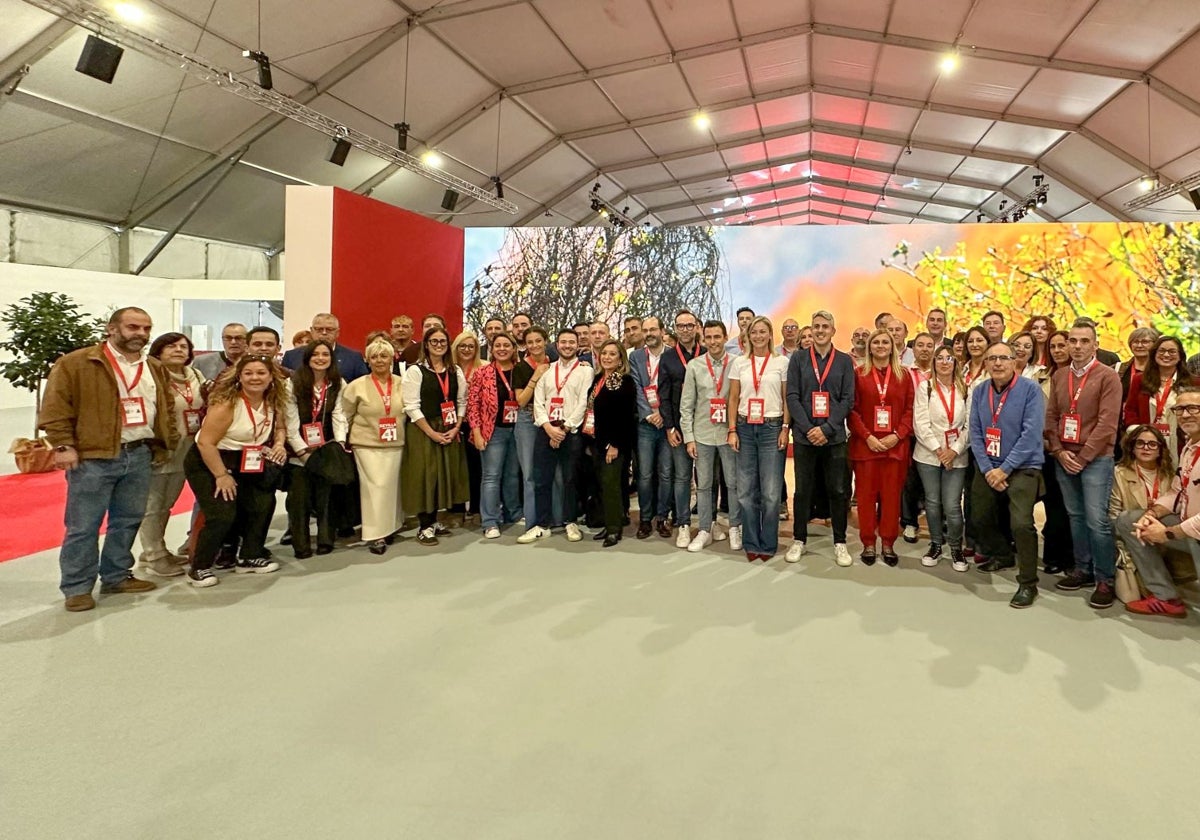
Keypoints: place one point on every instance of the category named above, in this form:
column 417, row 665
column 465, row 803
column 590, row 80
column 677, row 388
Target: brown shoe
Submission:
column 664, row 530
column 128, row 586
column 80, row 603
column 644, row 528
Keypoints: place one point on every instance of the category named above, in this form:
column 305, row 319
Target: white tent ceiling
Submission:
column 822, row 111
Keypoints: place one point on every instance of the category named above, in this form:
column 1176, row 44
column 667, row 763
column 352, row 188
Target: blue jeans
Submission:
column 499, row 483
column 654, row 473
column 118, row 487
column 681, row 469
column 526, row 433
column 705, row 457
column 943, row 502
column 759, row 484
column 1086, row 499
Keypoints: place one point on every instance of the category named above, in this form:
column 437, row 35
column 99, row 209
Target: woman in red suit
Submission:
column 881, row 425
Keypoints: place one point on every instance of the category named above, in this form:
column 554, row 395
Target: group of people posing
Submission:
column 537, row 432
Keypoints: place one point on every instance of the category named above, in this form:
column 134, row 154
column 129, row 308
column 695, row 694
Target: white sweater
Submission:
column 930, row 425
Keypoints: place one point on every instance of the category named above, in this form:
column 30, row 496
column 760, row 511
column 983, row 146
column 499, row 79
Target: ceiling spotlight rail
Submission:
column 1183, row 187
column 1035, row 198
column 609, row 212
column 93, row 17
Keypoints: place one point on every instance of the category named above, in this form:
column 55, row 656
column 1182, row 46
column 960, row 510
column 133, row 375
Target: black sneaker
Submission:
column 256, row 566
column 202, row 577
column 1075, row 580
column 225, row 561
column 932, row 555
column 1102, row 597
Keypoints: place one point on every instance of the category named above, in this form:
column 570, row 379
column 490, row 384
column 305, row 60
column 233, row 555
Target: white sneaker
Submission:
column 719, row 533
column 702, row 539
column 910, row 533
column 573, row 532
column 492, row 533
column 735, row 537
column 533, row 534
column 794, row 552
column 684, row 538
column 841, row 556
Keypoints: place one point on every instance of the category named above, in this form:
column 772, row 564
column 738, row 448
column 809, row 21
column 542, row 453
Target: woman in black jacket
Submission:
column 611, row 421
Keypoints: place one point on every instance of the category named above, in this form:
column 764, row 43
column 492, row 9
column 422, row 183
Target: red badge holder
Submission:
column 1070, row 429
column 756, row 411
column 253, row 460
column 820, row 405
column 718, row 411
column 991, row 442
column 389, row 430
column 651, row 392
column 449, row 414
column 133, row 411
column 314, row 435
column 883, row 419
column 511, row 409
column 193, row 418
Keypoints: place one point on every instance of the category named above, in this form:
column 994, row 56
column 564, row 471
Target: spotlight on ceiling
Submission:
column 341, row 148
column 432, row 158
column 1147, row 183
column 264, row 67
column 129, row 12
column 949, row 62
column 401, row 136
column 499, row 185
column 99, row 59
column 702, row 121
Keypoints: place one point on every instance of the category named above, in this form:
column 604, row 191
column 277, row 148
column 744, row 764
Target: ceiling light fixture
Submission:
column 1147, row 183
column 264, row 67
column 433, row 159
column 129, row 12
column 341, row 148
column 950, row 62
column 615, row 217
column 401, row 136
column 91, row 16
column 702, row 121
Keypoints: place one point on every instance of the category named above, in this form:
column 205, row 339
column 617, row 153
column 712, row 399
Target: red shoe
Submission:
column 1173, row 608
column 751, row 556
column 969, row 553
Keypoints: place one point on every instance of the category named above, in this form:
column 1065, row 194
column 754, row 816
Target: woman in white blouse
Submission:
column 941, row 408
column 758, row 432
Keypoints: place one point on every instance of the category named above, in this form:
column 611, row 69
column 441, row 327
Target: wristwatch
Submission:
column 1171, row 535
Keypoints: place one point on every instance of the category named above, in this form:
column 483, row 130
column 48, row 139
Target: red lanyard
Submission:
column 129, row 386
column 507, row 380
column 599, row 384
column 557, row 385
column 653, row 374
column 444, row 381
column 757, row 374
column 253, row 422
column 185, row 391
column 821, row 377
column 1160, row 401
column 385, row 397
column 969, row 377
column 1151, row 495
column 683, row 360
column 319, row 401
column 1078, row 391
column 887, row 382
column 949, row 407
column 1003, row 399
column 717, row 383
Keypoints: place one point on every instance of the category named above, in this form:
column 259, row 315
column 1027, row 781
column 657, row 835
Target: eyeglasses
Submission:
column 1186, row 410
column 944, row 360
column 233, row 338
column 1145, row 444
column 686, row 326
column 787, row 328
column 437, row 342
column 1167, row 351
column 998, row 358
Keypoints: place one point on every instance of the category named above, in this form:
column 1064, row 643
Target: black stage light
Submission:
column 99, row 59
column 264, row 67
column 341, row 148
column 449, row 201
column 499, row 187
column 1194, row 197
column 402, row 136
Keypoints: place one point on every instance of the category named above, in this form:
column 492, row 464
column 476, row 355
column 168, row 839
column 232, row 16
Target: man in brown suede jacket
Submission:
column 107, row 413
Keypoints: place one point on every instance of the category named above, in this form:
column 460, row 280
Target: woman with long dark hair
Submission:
column 188, row 390
column 976, row 343
column 1151, row 403
column 1058, row 547
column 611, row 423
column 492, row 416
column 235, row 467
column 317, row 393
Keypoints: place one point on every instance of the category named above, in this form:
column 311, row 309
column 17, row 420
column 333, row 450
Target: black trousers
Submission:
column 811, row 462
column 911, row 499
column 474, row 473
column 547, row 461
column 1018, row 500
column 308, row 494
column 250, row 512
column 1057, row 545
column 612, row 488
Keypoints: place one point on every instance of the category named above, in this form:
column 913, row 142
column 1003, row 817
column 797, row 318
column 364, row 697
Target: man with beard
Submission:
column 109, row 414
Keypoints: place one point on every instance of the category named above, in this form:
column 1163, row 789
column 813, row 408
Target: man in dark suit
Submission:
column 326, row 328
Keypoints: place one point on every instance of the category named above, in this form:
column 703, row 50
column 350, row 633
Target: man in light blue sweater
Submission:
column 1008, row 415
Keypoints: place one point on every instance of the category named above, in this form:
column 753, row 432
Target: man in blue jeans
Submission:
column 653, row 450
column 1082, row 418
column 109, row 414
column 674, row 369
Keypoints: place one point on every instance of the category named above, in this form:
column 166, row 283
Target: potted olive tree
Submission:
column 41, row 327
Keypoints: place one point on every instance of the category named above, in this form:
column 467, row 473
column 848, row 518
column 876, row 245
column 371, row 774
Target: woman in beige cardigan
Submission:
column 1143, row 473
column 375, row 413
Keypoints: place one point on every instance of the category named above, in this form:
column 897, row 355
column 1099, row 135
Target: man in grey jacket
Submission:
column 704, row 424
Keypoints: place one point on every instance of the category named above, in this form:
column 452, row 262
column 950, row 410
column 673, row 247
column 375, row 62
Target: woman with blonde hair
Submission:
column 236, row 465
column 611, row 424
column 881, row 425
column 375, row 415
column 464, row 350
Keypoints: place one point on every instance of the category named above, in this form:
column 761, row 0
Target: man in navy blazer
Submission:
column 326, row 328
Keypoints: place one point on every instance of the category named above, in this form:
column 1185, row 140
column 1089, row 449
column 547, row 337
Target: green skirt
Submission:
column 433, row 477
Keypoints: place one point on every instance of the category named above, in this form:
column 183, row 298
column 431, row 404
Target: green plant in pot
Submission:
column 41, row 327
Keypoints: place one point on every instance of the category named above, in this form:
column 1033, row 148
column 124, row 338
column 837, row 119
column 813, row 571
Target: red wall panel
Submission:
column 388, row 261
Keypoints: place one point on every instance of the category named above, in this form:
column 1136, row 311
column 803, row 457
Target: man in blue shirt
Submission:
column 1008, row 415
column 326, row 328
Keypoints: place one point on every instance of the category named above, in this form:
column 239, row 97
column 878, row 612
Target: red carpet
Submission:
column 33, row 512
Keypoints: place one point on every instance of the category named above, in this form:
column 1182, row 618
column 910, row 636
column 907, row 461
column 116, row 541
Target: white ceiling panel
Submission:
column 547, row 175
column 614, row 148
column 837, row 109
column 865, row 14
column 944, row 214
column 905, row 72
column 573, row 107
column 983, row 84
column 877, row 152
column 1173, row 131
column 837, row 61
column 755, row 16
column 695, row 22
column 599, row 34
column 734, row 123
column 833, row 145
column 541, row 54
column 963, row 195
column 1122, row 33
column 1089, row 213
column 938, row 20
column 259, row 220
column 787, row 110
column 1179, row 69
column 894, row 118
column 676, row 136
column 875, row 179
column 658, row 198
column 745, row 155
column 938, row 127
column 1033, row 27
column 884, row 218
column 693, row 166
column 1088, row 165
column 778, row 64
column 785, row 147
column 988, row 171
column 1022, row 139
column 1056, row 94
column 904, row 205
column 720, row 77
column 643, row 93
column 644, row 175
column 21, row 23
column 935, row 163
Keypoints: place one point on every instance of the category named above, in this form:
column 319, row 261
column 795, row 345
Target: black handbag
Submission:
column 332, row 464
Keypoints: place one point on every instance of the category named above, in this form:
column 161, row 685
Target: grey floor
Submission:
column 487, row 690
